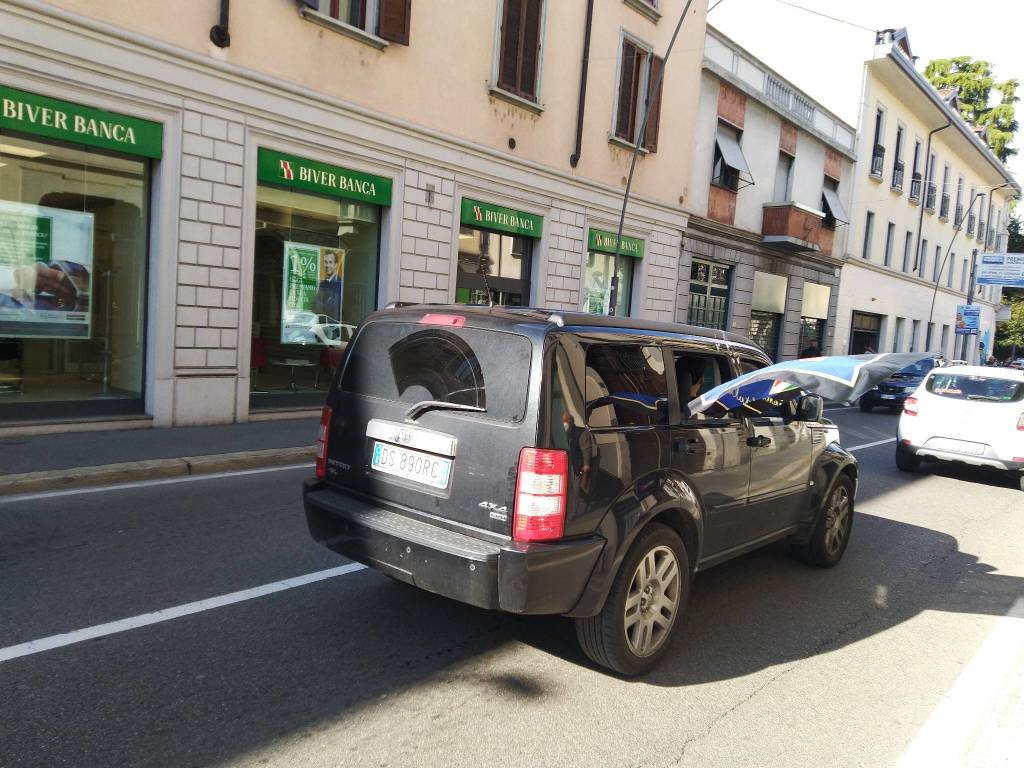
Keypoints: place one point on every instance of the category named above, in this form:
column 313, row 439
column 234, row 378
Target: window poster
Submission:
column 314, row 279
column 46, row 272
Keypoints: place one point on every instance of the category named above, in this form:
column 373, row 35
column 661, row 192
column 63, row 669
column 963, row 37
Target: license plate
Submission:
column 888, row 397
column 411, row 465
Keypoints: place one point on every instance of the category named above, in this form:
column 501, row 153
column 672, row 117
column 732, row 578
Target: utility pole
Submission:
column 970, row 300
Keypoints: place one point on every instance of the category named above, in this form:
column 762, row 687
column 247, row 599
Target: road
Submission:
column 901, row 652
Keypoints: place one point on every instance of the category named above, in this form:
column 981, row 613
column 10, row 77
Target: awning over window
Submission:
column 732, row 154
column 834, row 206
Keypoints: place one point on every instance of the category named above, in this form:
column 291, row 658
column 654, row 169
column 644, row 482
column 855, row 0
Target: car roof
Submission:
column 982, row 370
column 545, row 318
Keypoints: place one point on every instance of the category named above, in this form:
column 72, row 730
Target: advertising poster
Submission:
column 46, row 272
column 968, row 319
column 1001, row 269
column 314, row 280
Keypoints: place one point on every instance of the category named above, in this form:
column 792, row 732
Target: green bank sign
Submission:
column 64, row 121
column 310, row 176
column 487, row 216
column 604, row 242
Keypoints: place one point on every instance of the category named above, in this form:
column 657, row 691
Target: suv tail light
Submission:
column 910, row 406
column 541, row 487
column 321, row 442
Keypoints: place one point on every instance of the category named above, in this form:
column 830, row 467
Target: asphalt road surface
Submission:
column 194, row 623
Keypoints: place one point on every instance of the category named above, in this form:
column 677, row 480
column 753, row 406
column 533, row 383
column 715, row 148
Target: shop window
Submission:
column 709, row 295
column 495, row 262
column 73, row 258
column 315, row 279
column 638, row 89
column 519, row 58
column 597, row 284
column 764, row 331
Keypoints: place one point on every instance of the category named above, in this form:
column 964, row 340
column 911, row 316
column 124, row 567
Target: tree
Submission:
column 976, row 82
column 1015, row 236
column 1010, row 335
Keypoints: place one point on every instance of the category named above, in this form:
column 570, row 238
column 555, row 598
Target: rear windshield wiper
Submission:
column 440, row 405
column 992, row 398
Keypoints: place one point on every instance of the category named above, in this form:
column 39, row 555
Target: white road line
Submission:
column 146, row 619
column 871, row 445
column 979, row 720
column 144, row 483
column 840, row 408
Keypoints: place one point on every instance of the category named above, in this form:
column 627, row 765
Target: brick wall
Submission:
column 427, row 235
column 209, row 256
column 566, row 248
column 662, row 275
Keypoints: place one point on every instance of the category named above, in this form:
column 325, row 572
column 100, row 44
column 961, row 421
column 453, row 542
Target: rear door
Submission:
column 396, row 437
column 780, row 463
column 712, row 454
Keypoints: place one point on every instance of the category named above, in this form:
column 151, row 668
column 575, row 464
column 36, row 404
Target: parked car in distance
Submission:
column 968, row 414
column 539, row 463
column 1018, row 364
column 892, row 392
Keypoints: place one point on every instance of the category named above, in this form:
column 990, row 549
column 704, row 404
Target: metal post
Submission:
column 970, row 300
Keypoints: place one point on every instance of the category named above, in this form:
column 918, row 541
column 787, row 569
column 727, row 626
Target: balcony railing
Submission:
column 959, row 218
column 915, row 187
column 929, row 197
column 970, row 224
column 897, row 175
column 944, row 207
column 877, row 160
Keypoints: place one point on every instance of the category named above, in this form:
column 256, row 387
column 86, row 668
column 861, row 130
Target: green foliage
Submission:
column 1015, row 239
column 1011, row 333
column 977, row 83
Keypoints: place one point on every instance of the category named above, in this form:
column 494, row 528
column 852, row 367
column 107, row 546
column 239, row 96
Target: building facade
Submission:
column 928, row 196
column 770, row 183
column 194, row 218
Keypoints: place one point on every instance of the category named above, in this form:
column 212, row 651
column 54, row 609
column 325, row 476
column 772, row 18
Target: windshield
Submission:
column 980, row 388
column 919, row 368
column 413, row 363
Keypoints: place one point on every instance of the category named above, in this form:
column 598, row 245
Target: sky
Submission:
column 825, row 58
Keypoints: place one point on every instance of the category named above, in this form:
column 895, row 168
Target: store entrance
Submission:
column 865, row 333
column 506, row 260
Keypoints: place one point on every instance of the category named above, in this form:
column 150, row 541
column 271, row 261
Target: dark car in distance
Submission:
column 540, row 463
column 894, row 391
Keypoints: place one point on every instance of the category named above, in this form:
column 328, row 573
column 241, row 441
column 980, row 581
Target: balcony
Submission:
column 929, row 197
column 897, row 176
column 915, row 188
column 970, row 224
column 944, row 208
column 877, row 161
column 795, row 228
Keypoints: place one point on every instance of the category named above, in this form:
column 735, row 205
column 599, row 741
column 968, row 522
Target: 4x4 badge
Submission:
column 494, row 511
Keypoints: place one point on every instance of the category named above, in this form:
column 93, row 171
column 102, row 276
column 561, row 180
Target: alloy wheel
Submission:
column 652, row 601
column 837, row 519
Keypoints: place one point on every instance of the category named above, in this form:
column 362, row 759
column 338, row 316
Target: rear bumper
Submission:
column 875, row 399
column 519, row 578
column 992, row 462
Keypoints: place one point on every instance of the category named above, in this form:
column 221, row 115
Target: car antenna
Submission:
column 613, row 294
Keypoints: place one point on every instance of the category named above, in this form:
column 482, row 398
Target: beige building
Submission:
column 197, row 216
column 770, row 182
column 928, row 195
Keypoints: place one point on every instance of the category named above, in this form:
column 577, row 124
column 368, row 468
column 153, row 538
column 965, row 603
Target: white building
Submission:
column 928, row 194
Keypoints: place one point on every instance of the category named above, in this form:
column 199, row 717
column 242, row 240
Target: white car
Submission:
column 968, row 414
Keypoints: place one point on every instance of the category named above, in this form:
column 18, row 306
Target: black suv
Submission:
column 541, row 463
column 895, row 390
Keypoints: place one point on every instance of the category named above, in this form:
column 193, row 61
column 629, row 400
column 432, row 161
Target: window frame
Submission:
column 908, row 250
column 535, row 104
column 641, row 91
column 890, row 242
column 727, row 367
column 869, row 233
column 731, row 178
column 784, row 156
column 366, row 34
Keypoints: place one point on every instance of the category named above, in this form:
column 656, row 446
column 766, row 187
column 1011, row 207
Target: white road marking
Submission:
column 840, row 408
column 145, row 483
column 167, row 614
column 871, row 445
column 979, row 723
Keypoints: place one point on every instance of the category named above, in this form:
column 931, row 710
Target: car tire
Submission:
column 907, row 461
column 831, row 534
column 1022, row 482
column 625, row 636
column 866, row 407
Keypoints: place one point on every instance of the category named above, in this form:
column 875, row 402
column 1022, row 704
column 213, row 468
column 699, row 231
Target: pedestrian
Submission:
column 811, row 350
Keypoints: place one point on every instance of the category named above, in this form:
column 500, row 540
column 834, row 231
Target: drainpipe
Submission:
column 219, row 34
column 575, row 157
column 924, row 190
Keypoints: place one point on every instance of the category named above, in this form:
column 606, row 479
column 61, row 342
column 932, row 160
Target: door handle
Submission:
column 759, row 441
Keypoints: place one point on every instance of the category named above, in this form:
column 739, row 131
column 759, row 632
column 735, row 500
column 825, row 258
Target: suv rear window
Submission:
column 980, row 388
column 411, row 363
column 626, row 386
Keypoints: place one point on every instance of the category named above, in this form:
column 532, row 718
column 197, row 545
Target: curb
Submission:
column 152, row 469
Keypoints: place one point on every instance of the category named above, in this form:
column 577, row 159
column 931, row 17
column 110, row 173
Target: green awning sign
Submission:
column 64, row 121
column 604, row 242
column 487, row 216
column 274, row 167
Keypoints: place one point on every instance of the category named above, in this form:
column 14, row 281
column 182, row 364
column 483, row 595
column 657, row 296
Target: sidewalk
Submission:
column 59, row 461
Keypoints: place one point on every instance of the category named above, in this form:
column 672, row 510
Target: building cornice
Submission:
column 716, row 233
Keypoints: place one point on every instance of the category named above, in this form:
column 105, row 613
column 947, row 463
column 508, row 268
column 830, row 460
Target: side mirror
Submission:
column 810, row 408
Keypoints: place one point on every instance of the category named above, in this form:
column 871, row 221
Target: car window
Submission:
column 410, row 363
column 784, row 408
column 977, row 388
column 696, row 373
column 626, row 386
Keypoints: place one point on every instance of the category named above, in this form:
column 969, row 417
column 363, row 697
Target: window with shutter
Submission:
column 393, row 17
column 629, row 88
column 654, row 90
column 519, row 58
